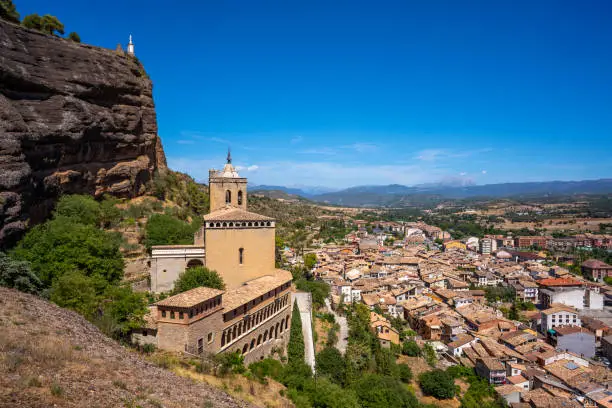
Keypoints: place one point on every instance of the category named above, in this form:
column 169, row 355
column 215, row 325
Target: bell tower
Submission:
column 226, row 187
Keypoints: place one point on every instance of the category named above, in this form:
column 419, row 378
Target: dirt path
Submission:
column 304, row 302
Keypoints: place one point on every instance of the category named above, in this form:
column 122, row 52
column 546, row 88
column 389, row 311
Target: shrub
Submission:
column 74, row 37
column 75, row 291
column 229, row 363
column 196, row 277
column 411, row 348
column 437, row 383
column 430, row 354
column 330, row 363
column 405, row 373
column 18, row 275
column 56, row 390
column 319, row 290
column 266, row 368
column 376, row 391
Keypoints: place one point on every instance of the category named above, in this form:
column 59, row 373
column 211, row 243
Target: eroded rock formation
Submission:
column 73, row 119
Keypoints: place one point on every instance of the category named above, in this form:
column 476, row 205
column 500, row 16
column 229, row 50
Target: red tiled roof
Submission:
column 596, row 264
column 559, row 282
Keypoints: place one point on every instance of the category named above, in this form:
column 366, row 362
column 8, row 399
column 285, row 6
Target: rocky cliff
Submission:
column 73, row 119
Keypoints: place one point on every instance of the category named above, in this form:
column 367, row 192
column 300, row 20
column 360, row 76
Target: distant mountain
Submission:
column 397, row 195
column 303, row 191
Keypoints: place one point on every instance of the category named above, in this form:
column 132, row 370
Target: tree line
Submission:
column 47, row 23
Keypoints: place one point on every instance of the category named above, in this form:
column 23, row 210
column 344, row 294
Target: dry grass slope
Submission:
column 50, row 356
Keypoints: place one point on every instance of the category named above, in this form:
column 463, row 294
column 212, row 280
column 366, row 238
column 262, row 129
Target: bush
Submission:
column 411, row 348
column 267, row 368
column 430, row 354
column 125, row 307
column 295, row 349
column 18, row 275
column 330, row 363
column 230, row 363
column 196, row 277
column 376, row 391
column 74, row 37
column 405, row 373
column 437, row 383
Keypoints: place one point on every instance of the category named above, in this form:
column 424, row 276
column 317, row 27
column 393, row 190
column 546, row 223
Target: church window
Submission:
column 231, row 224
column 241, row 255
column 163, row 313
column 240, row 197
column 200, row 346
column 228, row 197
column 210, row 337
column 224, row 224
column 268, row 223
column 181, row 315
column 172, row 315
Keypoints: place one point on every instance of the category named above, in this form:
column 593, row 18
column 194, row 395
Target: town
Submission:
column 528, row 326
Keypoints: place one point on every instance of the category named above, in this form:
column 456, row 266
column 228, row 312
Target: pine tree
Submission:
column 295, row 349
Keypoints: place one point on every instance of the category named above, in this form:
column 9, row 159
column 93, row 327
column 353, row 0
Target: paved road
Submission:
column 343, row 335
column 304, row 301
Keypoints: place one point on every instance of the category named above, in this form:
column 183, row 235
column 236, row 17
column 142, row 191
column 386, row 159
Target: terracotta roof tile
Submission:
column 191, row 297
column 235, row 214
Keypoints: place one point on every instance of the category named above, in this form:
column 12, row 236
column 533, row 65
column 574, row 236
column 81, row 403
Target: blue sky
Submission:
column 339, row 93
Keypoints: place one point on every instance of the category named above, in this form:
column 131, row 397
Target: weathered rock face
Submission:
column 73, row 119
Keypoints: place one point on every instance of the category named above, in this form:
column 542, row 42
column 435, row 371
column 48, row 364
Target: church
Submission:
column 253, row 314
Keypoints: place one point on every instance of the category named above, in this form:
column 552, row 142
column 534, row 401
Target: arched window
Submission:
column 194, row 262
column 240, row 255
column 240, row 197
column 228, row 197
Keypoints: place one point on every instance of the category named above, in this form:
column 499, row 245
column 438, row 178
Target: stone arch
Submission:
column 224, row 224
column 252, row 344
column 282, row 326
column 228, row 197
column 244, row 224
column 287, row 321
column 239, row 329
column 268, row 223
column 239, row 197
column 194, row 262
column 276, row 330
column 245, row 348
column 223, row 339
column 250, row 224
column 234, row 331
column 259, row 339
column 218, row 225
column 231, row 224
column 265, row 336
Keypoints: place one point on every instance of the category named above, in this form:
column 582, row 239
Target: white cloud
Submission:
column 442, row 154
column 362, row 147
column 254, row 167
column 327, row 151
column 185, row 141
column 297, row 139
column 463, row 173
column 484, row 172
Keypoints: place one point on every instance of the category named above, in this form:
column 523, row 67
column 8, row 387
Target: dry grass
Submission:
column 53, row 357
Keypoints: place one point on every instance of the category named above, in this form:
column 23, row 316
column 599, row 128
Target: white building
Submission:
column 559, row 315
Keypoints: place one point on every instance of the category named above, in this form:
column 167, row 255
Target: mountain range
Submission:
column 393, row 195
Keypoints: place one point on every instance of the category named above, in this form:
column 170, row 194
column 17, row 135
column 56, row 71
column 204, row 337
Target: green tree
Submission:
column 125, row 307
column 196, row 277
column 8, row 11
column 437, row 383
column 74, row 37
column 51, row 25
column 163, row 229
column 326, row 394
column 33, row 21
column 61, row 245
column 330, row 363
column 109, row 215
column 81, row 209
column 310, row 260
column 411, row 348
column 295, row 349
column 376, row 391
column 75, row 291
column 385, row 363
column 18, row 274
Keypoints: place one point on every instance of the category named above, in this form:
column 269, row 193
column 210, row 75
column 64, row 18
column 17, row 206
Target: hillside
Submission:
column 50, row 356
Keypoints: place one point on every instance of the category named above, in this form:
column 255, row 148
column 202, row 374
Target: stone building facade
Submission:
column 253, row 314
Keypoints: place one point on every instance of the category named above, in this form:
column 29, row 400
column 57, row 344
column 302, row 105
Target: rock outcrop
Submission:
column 73, row 119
